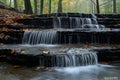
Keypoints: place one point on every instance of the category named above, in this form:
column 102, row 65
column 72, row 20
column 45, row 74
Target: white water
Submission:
column 82, row 69
column 71, row 58
column 51, row 36
column 40, row 37
column 81, row 57
column 77, row 22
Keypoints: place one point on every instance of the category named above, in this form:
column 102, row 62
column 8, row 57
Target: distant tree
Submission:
column 41, row 6
column 15, row 4
column 97, row 6
column 35, row 6
column 93, row 6
column 114, row 6
column 49, row 6
column 28, row 7
column 59, row 6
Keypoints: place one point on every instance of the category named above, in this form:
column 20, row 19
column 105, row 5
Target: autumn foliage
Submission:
column 10, row 17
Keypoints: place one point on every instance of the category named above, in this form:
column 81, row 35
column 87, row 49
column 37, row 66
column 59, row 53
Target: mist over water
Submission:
column 84, row 69
column 94, row 72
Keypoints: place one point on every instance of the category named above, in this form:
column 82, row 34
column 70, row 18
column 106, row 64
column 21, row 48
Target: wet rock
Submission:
column 51, row 60
column 11, row 37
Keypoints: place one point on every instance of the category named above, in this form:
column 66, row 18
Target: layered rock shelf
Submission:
column 61, row 29
column 11, row 37
column 50, row 60
column 67, row 37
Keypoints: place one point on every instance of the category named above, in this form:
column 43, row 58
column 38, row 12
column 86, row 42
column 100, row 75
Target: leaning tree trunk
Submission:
column 49, row 6
column 28, row 7
column 59, row 6
column 41, row 6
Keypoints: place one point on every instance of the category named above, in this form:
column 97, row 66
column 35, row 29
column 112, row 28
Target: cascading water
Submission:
column 77, row 22
column 94, row 27
column 40, row 37
column 57, row 22
column 53, row 37
column 71, row 58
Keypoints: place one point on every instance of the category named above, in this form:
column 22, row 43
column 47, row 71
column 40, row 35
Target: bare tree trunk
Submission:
column 94, row 6
column 49, row 6
column 114, row 6
column 35, row 6
column 97, row 6
column 28, row 7
column 59, row 6
column 15, row 4
column 41, row 6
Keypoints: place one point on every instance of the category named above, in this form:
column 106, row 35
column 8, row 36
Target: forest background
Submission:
column 53, row 6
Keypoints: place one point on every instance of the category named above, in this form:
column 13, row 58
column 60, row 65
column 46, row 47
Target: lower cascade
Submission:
column 70, row 58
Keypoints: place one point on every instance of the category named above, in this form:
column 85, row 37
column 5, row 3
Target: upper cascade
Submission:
column 77, row 22
column 61, row 24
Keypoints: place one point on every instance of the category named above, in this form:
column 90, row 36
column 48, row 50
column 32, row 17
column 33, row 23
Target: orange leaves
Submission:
column 3, row 36
column 4, row 28
column 56, row 0
column 16, row 66
column 66, row 1
column 6, row 37
column 9, row 20
column 13, row 51
column 10, row 17
column 104, row 62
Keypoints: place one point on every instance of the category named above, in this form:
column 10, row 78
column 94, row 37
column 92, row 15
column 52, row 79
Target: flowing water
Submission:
column 76, row 22
column 56, row 36
column 40, row 37
column 96, row 72
column 70, row 24
column 71, row 58
column 70, row 63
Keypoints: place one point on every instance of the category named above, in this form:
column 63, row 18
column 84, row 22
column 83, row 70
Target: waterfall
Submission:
column 71, row 58
column 55, row 36
column 57, row 22
column 82, row 57
column 93, row 16
column 94, row 27
column 76, row 22
column 40, row 37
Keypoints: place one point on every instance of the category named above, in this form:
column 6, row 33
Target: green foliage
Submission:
column 81, row 6
column 5, row 1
